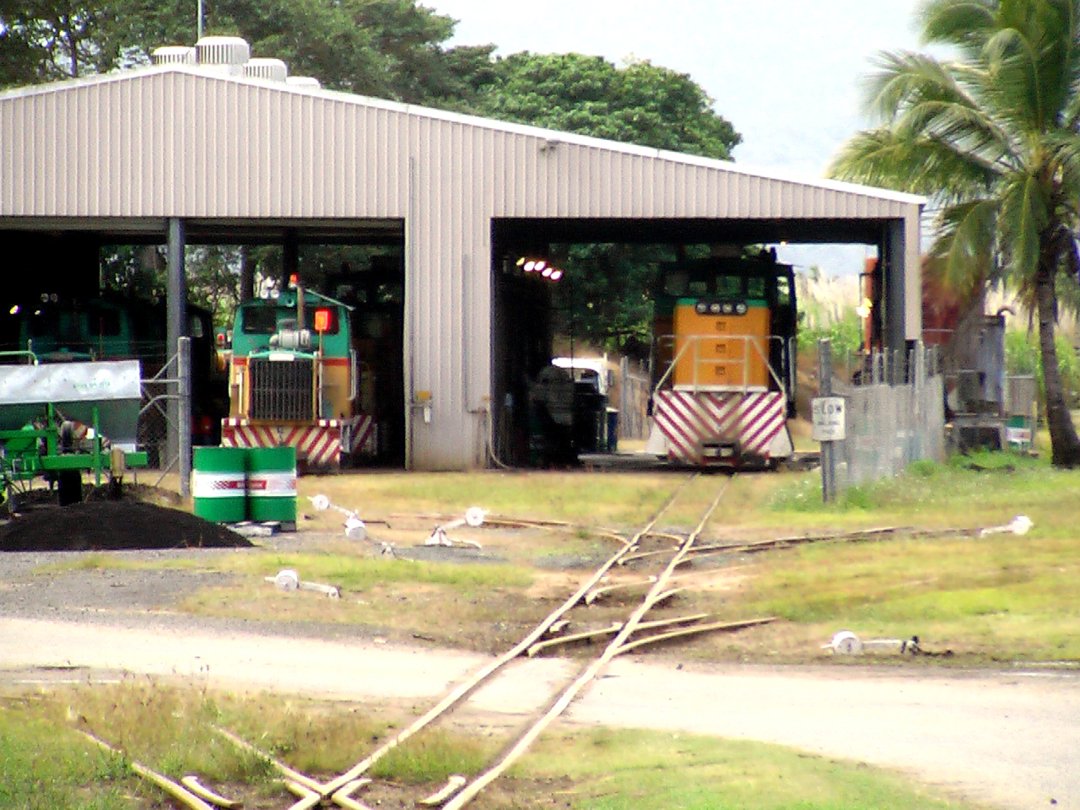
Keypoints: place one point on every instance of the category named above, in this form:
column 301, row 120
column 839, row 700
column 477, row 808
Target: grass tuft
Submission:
column 432, row 756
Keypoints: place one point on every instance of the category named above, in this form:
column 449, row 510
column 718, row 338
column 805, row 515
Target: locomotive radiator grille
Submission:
column 282, row 389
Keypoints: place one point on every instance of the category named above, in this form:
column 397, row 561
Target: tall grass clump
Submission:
column 313, row 737
column 432, row 756
column 166, row 728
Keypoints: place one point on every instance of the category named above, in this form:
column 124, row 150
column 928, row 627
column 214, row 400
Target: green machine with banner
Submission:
column 54, row 420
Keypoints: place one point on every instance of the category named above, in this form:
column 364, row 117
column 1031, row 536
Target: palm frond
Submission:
column 904, row 78
column 965, row 244
column 965, row 24
column 1015, row 85
column 929, row 166
column 1034, row 59
column 1024, row 217
column 923, row 95
column 1064, row 150
column 968, row 130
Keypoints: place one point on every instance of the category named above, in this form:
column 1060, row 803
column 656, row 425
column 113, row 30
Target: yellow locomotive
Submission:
column 724, row 360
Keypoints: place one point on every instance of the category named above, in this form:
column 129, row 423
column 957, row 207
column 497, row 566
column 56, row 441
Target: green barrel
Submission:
column 271, row 484
column 219, row 485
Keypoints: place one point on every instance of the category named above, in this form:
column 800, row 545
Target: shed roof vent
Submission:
column 229, row 53
column 270, row 69
column 173, row 55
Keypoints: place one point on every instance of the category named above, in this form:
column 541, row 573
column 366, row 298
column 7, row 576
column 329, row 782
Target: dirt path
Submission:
column 1009, row 739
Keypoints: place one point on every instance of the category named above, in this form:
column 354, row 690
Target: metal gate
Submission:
column 164, row 429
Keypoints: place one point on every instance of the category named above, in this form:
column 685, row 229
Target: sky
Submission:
column 786, row 73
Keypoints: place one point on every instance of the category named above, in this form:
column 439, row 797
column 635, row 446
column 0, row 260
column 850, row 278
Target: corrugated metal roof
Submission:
column 148, row 125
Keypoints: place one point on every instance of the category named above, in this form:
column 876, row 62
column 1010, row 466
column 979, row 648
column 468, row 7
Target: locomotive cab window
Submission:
column 729, row 286
column 260, row 320
column 783, row 291
column 196, row 327
column 755, row 288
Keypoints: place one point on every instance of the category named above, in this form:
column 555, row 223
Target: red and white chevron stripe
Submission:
column 360, row 436
column 690, row 420
column 316, row 445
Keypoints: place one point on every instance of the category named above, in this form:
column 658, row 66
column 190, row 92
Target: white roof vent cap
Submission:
column 173, row 55
column 271, row 69
column 231, row 52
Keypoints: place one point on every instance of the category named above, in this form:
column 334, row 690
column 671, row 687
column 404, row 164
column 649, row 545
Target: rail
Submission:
column 460, row 791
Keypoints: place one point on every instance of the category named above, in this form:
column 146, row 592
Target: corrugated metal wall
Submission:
column 171, row 142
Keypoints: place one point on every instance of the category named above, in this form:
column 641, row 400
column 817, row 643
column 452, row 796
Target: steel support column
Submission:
column 178, row 428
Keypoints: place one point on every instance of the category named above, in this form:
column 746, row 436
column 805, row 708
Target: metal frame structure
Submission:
column 181, row 153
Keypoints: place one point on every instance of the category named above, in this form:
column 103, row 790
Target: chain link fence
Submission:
column 894, row 415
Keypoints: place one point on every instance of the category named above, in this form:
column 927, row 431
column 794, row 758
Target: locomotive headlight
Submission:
column 714, row 308
column 740, row 308
column 728, row 308
column 701, row 307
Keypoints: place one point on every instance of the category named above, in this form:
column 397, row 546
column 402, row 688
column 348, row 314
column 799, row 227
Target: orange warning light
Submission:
column 324, row 320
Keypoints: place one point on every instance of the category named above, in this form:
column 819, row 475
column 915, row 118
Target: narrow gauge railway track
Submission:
column 340, row 791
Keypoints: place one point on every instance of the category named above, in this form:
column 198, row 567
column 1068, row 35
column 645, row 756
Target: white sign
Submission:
column 828, row 419
column 1018, row 435
column 70, row 382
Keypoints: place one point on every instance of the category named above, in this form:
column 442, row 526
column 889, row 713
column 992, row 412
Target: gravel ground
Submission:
column 132, row 597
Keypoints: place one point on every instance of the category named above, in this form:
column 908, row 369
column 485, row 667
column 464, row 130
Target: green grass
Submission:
column 982, row 489
column 988, row 598
column 169, row 729
column 361, row 573
column 594, row 500
column 636, row 770
column 46, row 767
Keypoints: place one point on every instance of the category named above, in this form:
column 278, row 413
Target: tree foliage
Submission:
column 46, row 40
column 386, row 48
column 992, row 136
column 641, row 103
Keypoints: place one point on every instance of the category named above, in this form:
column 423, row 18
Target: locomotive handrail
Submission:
column 693, row 340
column 22, row 353
column 354, row 375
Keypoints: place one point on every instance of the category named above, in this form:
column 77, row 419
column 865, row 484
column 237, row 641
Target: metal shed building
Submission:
column 180, row 152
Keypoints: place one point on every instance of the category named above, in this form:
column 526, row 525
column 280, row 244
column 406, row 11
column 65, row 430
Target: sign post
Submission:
column 828, row 421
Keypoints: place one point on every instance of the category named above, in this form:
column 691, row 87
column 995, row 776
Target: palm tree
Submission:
column 991, row 135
